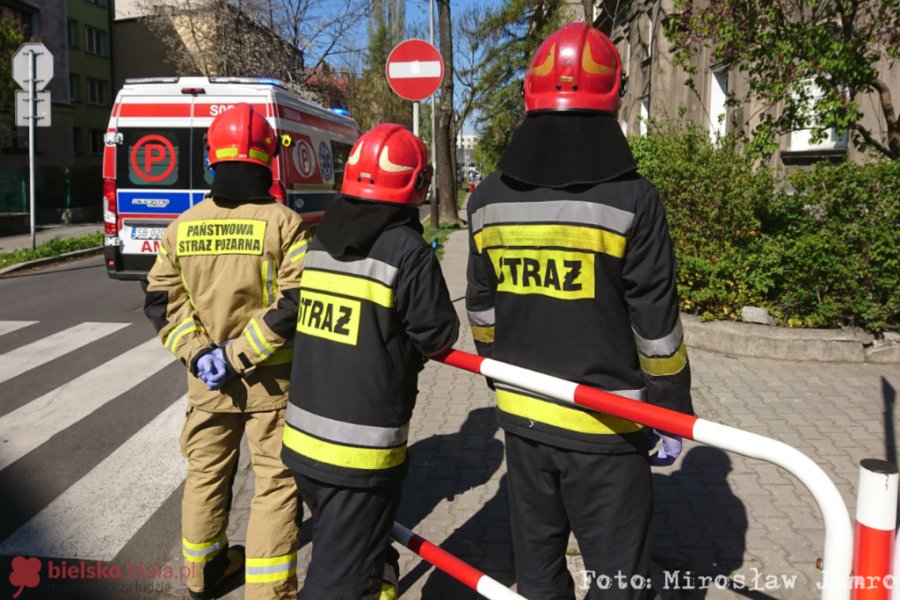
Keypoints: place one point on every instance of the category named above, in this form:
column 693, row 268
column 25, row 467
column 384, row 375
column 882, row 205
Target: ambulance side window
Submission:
column 340, row 152
column 202, row 175
column 153, row 158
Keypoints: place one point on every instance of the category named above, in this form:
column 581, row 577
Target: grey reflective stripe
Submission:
column 297, row 251
column 365, row 267
column 482, row 318
column 639, row 394
column 279, row 568
column 577, row 212
column 346, row 433
column 270, row 280
column 173, row 336
column 252, row 330
column 664, row 346
column 200, row 553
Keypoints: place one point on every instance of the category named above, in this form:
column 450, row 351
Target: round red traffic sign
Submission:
column 414, row 69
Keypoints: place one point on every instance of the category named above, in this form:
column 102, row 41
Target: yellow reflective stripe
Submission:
column 257, row 341
column 266, row 282
column 565, row 236
column 279, row 357
column 226, row 152
column 483, row 334
column 347, row 285
column 258, row 155
column 161, row 253
column 563, row 417
column 297, row 251
column 669, row 365
column 348, row 457
column 183, row 328
column 266, row 570
column 204, row 551
column 389, row 591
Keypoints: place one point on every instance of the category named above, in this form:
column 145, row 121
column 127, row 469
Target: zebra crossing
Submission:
column 96, row 516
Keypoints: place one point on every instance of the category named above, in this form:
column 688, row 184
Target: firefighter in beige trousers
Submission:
column 223, row 296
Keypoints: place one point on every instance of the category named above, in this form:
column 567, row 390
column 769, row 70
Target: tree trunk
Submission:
column 446, row 178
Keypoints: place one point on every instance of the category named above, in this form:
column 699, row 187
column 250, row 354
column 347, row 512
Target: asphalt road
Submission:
column 91, row 408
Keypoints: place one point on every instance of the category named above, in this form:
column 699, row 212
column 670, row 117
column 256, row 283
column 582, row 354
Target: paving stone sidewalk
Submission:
column 751, row 529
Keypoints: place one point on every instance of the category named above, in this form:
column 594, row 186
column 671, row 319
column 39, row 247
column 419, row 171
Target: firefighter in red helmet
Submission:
column 373, row 307
column 572, row 273
column 223, row 296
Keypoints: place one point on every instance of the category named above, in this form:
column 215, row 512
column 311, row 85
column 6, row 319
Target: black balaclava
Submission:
column 351, row 225
column 241, row 182
column 559, row 149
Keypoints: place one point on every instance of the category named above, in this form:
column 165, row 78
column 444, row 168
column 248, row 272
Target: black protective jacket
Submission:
column 577, row 282
column 366, row 325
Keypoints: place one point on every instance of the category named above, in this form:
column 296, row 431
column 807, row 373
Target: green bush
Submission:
column 713, row 197
column 817, row 250
column 52, row 247
column 837, row 234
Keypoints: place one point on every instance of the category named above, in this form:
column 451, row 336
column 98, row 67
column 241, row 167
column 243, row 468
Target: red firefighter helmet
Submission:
column 241, row 134
column 388, row 164
column 576, row 68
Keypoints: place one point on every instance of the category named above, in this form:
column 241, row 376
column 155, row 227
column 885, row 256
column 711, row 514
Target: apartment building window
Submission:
column 718, row 107
column 96, row 138
column 72, row 33
column 95, row 41
column 98, row 91
column 77, row 140
column 74, row 88
column 649, row 34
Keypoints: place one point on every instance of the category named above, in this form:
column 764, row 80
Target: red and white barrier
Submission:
column 838, row 556
column 876, row 519
column 452, row 566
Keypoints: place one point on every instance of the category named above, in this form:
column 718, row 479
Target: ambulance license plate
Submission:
column 147, row 233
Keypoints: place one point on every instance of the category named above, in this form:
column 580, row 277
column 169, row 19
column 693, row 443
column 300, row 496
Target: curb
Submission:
column 49, row 259
column 764, row 341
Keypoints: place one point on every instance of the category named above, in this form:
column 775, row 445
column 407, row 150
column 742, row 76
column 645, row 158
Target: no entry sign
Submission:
column 414, row 69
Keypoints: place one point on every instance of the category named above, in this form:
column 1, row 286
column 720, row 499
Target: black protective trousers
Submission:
column 605, row 499
column 351, row 539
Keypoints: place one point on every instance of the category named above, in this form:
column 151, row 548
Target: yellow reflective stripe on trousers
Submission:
column 483, row 334
column 669, row 365
column 573, row 419
column 183, row 328
column 348, row 285
column 267, row 570
column 257, row 341
column 204, row 551
column 349, row 457
column 557, row 236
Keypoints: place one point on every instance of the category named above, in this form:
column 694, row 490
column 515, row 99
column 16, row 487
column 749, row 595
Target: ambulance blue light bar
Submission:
column 341, row 111
column 250, row 80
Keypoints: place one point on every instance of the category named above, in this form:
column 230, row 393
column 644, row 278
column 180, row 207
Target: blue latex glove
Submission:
column 669, row 449
column 204, row 366
column 218, row 372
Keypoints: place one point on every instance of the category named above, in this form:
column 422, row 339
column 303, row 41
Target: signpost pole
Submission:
column 434, row 180
column 416, row 119
column 32, row 118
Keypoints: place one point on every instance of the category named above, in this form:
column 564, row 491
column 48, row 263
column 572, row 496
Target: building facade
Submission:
column 657, row 88
column 90, row 87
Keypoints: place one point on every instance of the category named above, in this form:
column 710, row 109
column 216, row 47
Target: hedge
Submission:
column 818, row 248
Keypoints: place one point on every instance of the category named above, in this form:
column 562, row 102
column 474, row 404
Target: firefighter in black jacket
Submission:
column 373, row 306
column 571, row 273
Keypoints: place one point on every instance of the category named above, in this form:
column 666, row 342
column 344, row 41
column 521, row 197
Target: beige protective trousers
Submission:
column 210, row 442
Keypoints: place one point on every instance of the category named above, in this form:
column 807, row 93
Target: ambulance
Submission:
column 155, row 164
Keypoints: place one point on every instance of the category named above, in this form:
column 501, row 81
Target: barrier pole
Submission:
column 452, row 566
column 876, row 518
column 838, row 555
